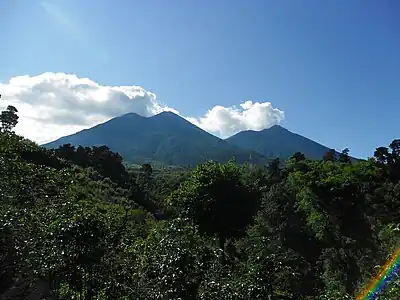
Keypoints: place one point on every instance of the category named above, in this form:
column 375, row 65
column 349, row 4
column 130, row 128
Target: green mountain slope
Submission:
column 165, row 138
column 277, row 142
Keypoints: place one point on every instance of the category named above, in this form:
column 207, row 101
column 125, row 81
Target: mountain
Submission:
column 165, row 138
column 277, row 142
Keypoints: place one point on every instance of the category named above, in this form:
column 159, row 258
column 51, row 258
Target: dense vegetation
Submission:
column 76, row 224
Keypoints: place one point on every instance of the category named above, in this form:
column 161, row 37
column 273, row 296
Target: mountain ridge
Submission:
column 278, row 141
column 168, row 138
column 165, row 137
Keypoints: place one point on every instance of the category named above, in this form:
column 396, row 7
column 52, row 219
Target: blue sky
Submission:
column 333, row 67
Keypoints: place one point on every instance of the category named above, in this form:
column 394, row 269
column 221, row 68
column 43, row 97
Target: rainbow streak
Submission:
column 389, row 270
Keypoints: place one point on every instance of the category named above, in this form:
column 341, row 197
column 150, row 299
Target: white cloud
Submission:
column 52, row 105
column 226, row 121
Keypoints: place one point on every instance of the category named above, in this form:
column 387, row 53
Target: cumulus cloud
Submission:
column 52, row 105
column 226, row 121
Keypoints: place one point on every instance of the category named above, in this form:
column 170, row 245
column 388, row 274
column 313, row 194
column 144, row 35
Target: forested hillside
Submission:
column 76, row 224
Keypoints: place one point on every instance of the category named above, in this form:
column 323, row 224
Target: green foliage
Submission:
column 171, row 261
column 216, row 198
column 75, row 223
column 8, row 119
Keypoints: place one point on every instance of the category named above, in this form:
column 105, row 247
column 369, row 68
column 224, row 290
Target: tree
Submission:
column 171, row 261
column 395, row 147
column 9, row 119
column 280, row 231
column 382, row 154
column 216, row 199
column 273, row 166
column 147, row 169
column 298, row 156
column 334, row 200
column 330, row 155
column 344, row 156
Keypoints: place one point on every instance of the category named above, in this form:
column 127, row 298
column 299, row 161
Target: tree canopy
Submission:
column 9, row 118
column 76, row 223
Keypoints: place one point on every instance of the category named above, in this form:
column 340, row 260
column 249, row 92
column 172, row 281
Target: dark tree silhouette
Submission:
column 330, row 155
column 298, row 156
column 9, row 119
column 344, row 156
column 382, row 154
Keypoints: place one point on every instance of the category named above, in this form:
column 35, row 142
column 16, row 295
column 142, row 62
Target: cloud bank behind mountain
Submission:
column 52, row 105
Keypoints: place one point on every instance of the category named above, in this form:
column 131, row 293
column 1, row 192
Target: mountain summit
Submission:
column 277, row 141
column 170, row 139
column 165, row 138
